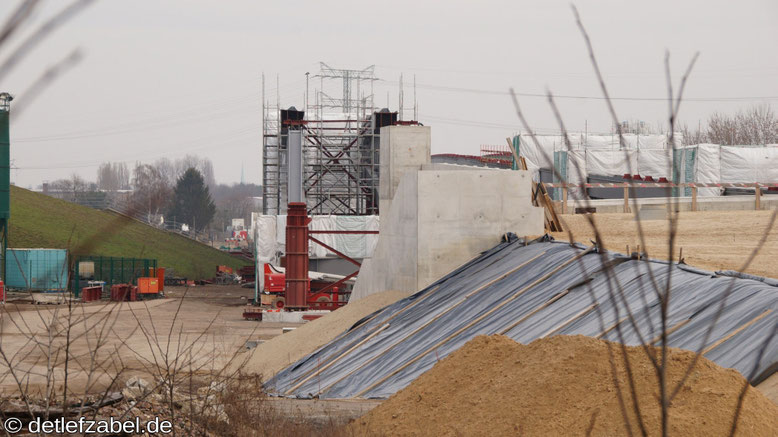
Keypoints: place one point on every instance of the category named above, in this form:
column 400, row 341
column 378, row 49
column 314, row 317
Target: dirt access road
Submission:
column 196, row 329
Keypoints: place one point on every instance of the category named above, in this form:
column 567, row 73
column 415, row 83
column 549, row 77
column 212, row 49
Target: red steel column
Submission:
column 296, row 256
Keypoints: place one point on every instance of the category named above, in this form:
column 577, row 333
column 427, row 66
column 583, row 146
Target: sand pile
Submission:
column 274, row 355
column 553, row 387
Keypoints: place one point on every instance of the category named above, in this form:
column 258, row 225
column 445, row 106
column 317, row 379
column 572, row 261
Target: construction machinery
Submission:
column 318, row 296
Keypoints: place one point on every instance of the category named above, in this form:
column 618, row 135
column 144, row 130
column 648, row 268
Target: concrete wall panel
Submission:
column 441, row 218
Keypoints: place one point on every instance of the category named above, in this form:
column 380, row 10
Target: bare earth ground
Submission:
column 134, row 337
column 711, row 240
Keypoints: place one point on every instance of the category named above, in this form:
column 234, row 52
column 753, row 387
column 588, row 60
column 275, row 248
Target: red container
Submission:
column 89, row 294
column 161, row 278
column 122, row 293
column 2, row 292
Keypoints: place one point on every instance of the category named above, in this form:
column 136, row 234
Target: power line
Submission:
column 579, row 97
column 224, row 142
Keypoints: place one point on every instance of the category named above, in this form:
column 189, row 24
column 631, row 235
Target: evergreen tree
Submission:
column 192, row 202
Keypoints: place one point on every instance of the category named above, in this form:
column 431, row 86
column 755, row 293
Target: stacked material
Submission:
column 564, row 386
column 539, row 290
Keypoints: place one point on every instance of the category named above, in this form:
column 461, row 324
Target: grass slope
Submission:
column 42, row 221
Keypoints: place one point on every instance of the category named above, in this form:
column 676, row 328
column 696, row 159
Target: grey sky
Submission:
column 166, row 78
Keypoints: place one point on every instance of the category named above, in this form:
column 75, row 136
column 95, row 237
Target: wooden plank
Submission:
column 677, row 326
column 557, row 224
column 694, row 198
column 569, row 321
column 515, row 155
column 368, row 338
column 736, row 331
column 540, row 197
column 534, row 311
column 564, row 200
column 607, row 330
column 758, row 199
column 337, row 354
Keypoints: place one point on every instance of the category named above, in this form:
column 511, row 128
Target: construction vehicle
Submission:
column 318, row 296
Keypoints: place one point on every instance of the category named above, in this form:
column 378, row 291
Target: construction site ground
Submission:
column 135, row 333
column 210, row 317
column 711, row 240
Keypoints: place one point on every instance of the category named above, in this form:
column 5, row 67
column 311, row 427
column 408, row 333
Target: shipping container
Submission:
column 37, row 269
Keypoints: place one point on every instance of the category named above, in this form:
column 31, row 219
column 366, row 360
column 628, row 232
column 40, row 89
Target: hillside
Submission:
column 42, row 221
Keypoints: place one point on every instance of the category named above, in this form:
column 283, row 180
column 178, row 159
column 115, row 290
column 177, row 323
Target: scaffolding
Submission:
column 340, row 136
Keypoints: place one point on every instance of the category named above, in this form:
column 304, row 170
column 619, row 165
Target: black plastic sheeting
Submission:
column 536, row 290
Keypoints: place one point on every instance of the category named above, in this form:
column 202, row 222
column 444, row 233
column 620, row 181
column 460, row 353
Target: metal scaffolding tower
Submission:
column 340, row 150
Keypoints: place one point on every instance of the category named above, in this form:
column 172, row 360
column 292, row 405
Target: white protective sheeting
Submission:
column 749, row 164
column 270, row 236
column 611, row 162
column 651, row 155
column 542, row 157
column 265, row 225
column 657, row 163
column 708, row 168
column 602, row 141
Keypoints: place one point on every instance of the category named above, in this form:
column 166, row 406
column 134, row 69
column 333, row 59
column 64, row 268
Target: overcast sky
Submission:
column 167, row 78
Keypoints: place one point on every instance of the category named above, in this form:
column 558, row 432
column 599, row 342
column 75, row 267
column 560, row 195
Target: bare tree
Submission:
column 757, row 125
column 203, row 165
column 152, row 192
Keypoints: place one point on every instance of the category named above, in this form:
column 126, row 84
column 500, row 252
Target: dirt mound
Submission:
column 555, row 387
column 272, row 356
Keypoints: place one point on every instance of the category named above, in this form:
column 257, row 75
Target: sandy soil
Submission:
column 563, row 386
column 276, row 354
column 199, row 329
column 711, row 240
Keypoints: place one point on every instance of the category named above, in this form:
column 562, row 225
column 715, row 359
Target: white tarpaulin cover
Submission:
column 708, row 168
column 657, row 163
column 270, row 236
column 651, row 155
column 611, row 162
column 749, row 164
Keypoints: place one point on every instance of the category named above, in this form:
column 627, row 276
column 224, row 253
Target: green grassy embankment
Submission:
column 39, row 221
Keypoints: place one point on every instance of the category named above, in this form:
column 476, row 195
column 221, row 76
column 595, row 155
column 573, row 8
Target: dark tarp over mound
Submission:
column 537, row 290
